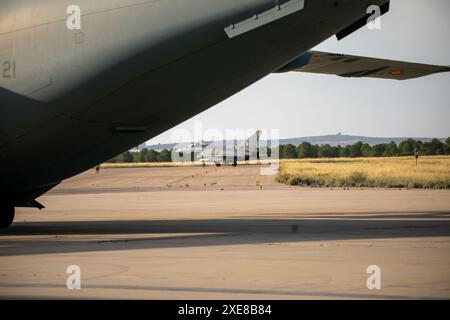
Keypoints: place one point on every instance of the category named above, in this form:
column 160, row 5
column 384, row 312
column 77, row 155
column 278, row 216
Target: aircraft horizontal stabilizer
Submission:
column 357, row 67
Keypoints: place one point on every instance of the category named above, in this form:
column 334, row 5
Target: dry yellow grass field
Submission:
column 431, row 172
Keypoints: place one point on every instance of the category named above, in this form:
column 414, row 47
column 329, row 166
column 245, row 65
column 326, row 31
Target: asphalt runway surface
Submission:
column 220, row 233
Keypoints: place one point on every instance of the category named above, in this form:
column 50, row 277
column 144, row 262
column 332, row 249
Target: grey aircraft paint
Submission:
column 71, row 99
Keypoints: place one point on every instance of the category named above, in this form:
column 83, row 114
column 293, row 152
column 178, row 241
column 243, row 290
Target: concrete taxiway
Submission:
column 219, row 233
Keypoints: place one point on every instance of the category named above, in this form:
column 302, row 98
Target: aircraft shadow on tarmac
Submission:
column 214, row 232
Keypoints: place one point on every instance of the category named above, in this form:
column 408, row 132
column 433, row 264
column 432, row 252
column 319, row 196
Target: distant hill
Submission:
column 343, row 140
column 159, row 147
column 333, row 140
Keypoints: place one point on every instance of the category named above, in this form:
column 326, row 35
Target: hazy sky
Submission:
column 302, row 104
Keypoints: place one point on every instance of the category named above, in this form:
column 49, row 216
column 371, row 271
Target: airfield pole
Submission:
column 247, row 150
column 224, row 151
column 416, row 154
column 258, row 156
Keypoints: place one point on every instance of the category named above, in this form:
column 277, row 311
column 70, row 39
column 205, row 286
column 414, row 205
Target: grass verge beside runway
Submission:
column 431, row 172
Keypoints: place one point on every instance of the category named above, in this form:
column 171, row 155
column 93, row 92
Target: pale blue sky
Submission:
column 307, row 104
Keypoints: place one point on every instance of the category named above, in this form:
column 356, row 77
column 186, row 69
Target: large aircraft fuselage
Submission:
column 70, row 99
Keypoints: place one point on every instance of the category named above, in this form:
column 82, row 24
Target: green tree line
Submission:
column 143, row 155
column 308, row 150
column 359, row 149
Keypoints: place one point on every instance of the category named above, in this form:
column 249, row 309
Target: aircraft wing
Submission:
column 357, row 67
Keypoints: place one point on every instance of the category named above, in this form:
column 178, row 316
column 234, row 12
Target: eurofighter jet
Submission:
column 84, row 80
column 230, row 152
